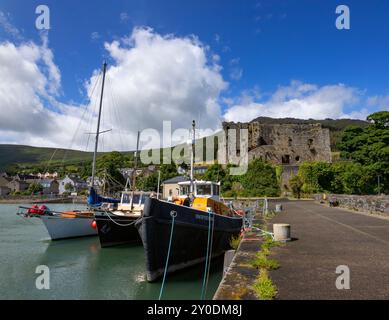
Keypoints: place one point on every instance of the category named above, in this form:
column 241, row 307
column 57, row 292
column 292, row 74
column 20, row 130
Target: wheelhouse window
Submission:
column 216, row 190
column 143, row 199
column 136, row 199
column 126, row 198
column 184, row 190
column 204, row 189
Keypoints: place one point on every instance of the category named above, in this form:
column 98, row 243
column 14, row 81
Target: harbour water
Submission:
column 80, row 268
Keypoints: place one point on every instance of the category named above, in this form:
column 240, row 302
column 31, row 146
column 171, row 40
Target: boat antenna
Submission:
column 98, row 127
column 135, row 168
column 192, row 157
column 159, row 182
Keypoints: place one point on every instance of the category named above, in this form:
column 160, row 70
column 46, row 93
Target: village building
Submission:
column 18, row 185
column 76, row 184
column 170, row 187
column 48, row 175
column 4, row 181
column 26, row 177
column 50, row 186
column 200, row 169
column 4, row 191
column 98, row 184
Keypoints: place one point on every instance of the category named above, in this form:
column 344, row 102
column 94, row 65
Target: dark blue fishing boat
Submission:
column 192, row 228
column 116, row 227
column 189, row 238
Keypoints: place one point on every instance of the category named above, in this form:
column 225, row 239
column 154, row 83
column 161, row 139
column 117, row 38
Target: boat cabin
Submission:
column 202, row 189
column 133, row 200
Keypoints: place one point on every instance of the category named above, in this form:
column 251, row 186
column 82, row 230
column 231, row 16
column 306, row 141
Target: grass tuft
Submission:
column 264, row 287
column 235, row 241
column 261, row 261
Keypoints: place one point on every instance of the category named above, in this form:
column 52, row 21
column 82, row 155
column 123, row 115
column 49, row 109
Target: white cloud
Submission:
column 156, row 78
column 299, row 100
column 8, row 27
column 124, row 17
column 24, row 86
column 381, row 102
column 95, row 35
column 236, row 72
column 152, row 78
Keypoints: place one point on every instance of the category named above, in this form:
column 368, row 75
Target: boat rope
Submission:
column 173, row 215
column 210, row 255
column 264, row 232
column 120, row 224
column 207, row 257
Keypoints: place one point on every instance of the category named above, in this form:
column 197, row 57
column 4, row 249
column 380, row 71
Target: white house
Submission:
column 76, row 183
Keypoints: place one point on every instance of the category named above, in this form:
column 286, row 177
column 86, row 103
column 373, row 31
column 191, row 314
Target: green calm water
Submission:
column 80, row 269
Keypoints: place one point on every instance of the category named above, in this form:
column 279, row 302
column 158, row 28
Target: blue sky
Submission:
column 261, row 46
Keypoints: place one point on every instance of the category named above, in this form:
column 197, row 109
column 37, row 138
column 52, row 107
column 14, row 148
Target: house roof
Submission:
column 175, row 180
column 22, row 176
column 76, row 179
column 46, row 180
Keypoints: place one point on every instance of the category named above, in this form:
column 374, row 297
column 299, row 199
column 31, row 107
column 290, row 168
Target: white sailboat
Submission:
column 74, row 223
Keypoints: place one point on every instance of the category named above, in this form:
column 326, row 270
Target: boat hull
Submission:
column 64, row 228
column 190, row 236
column 121, row 231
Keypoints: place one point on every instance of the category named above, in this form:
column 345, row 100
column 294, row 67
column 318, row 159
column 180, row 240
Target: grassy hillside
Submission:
column 26, row 155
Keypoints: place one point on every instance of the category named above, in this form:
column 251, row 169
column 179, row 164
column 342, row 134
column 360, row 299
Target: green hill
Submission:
column 26, row 155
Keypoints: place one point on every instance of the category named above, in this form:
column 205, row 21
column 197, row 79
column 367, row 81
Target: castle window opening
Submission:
column 261, row 142
column 285, row 159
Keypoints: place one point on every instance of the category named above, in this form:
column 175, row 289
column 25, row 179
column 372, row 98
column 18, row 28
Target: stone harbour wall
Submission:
column 369, row 204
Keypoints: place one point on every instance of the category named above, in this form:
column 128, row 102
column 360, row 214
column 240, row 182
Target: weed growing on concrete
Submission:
column 235, row 241
column 261, row 261
column 264, row 287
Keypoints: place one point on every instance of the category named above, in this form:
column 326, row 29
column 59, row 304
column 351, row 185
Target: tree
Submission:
column 214, row 172
column 168, row 171
column 259, row 180
column 296, row 183
column 370, row 147
column 149, row 183
column 108, row 166
column 379, row 119
column 68, row 187
column 34, row 188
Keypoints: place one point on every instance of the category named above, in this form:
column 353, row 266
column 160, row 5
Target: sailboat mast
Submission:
column 98, row 127
column 134, row 172
column 192, row 157
column 135, row 162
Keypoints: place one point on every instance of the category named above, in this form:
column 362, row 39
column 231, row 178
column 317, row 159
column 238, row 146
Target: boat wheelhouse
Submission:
column 203, row 189
column 116, row 227
column 132, row 201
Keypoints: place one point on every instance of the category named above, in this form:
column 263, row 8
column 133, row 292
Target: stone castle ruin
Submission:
column 288, row 145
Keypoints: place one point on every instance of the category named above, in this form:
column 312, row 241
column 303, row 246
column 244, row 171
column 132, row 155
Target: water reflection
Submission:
column 80, row 269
